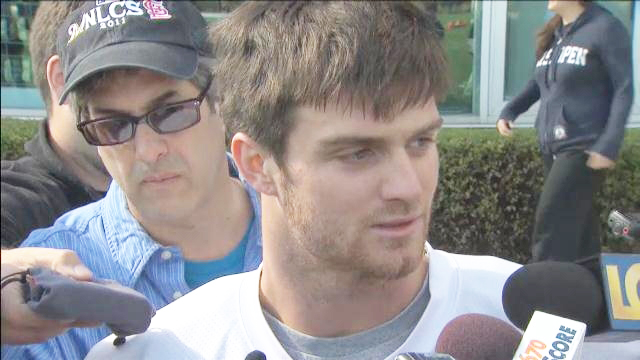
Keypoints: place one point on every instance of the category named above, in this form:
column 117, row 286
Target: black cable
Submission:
column 14, row 277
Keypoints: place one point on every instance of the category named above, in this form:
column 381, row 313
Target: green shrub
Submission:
column 13, row 134
column 489, row 188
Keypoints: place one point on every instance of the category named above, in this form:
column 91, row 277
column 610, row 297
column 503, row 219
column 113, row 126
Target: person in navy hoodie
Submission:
column 583, row 79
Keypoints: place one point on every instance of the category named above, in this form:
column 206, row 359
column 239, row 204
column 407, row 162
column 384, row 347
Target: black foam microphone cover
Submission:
column 560, row 288
column 478, row 337
column 256, row 355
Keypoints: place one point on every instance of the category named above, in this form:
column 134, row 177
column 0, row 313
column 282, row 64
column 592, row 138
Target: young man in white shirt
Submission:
column 334, row 109
column 138, row 77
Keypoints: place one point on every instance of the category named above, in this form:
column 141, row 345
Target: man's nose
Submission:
column 149, row 145
column 401, row 181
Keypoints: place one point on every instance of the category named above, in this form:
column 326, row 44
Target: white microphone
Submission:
column 551, row 337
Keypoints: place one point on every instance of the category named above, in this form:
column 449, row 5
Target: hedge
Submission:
column 488, row 189
column 13, row 134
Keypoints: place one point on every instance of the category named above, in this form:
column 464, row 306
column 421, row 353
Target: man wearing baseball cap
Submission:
column 137, row 74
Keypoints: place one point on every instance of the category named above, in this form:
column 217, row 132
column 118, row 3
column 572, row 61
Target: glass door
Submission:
column 461, row 25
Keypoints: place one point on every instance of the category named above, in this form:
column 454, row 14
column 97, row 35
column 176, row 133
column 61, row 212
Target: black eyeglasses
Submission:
column 166, row 119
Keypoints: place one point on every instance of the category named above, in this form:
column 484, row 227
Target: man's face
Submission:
column 166, row 177
column 357, row 193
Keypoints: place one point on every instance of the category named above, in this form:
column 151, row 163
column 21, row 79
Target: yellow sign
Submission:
column 621, row 275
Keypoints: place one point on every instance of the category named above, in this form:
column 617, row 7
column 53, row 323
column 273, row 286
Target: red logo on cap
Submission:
column 156, row 10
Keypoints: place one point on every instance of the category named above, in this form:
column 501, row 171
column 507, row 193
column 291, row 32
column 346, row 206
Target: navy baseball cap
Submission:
column 162, row 36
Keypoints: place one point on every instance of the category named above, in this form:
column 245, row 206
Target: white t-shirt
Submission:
column 223, row 319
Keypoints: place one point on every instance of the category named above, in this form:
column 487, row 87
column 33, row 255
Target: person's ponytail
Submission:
column 544, row 38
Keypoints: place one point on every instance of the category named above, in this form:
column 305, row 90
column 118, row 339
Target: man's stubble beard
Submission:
column 324, row 246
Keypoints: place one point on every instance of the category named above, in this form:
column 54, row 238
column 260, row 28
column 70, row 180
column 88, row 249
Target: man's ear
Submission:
column 55, row 78
column 254, row 164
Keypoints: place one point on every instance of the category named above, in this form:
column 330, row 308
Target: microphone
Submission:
column 478, row 337
column 256, row 355
column 551, row 337
column 52, row 295
column 421, row 356
column 560, row 288
column 626, row 226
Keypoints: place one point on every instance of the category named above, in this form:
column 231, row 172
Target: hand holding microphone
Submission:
column 54, row 296
column 20, row 325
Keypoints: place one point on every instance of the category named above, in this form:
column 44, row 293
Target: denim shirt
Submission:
column 113, row 244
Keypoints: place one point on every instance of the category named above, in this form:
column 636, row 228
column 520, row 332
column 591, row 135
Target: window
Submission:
column 16, row 63
column 461, row 24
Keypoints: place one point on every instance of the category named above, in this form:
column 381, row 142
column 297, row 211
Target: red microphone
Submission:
column 478, row 337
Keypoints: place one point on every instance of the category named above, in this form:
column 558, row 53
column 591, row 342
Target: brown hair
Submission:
column 275, row 56
column 42, row 40
column 89, row 87
column 545, row 36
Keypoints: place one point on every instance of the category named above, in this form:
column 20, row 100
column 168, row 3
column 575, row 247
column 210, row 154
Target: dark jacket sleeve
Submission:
column 30, row 200
column 615, row 51
column 522, row 102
